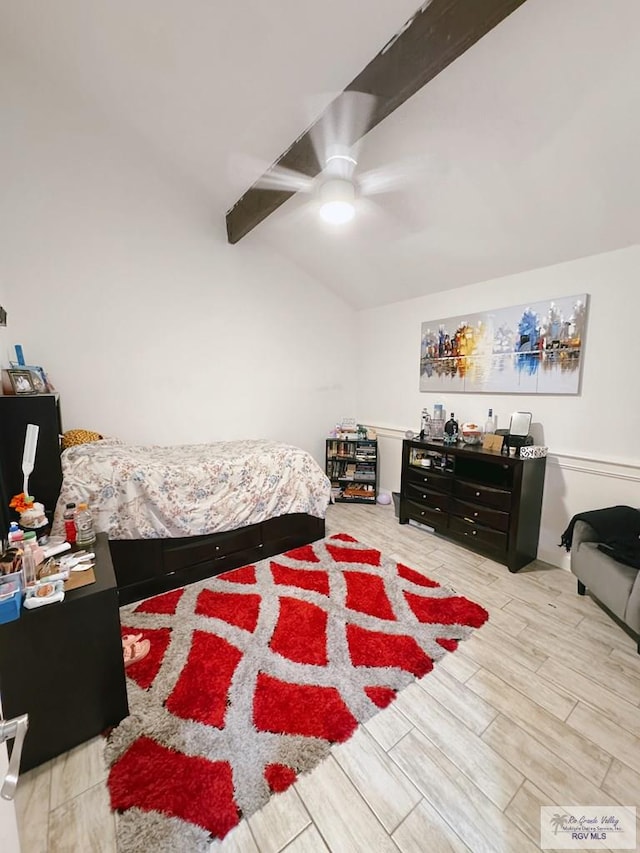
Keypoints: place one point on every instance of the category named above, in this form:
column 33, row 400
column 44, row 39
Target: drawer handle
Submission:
column 424, row 497
column 477, row 494
column 475, row 514
column 437, row 509
column 474, row 532
column 217, row 548
column 425, row 479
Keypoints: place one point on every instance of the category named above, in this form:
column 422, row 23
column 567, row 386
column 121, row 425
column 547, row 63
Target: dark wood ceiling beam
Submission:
column 438, row 33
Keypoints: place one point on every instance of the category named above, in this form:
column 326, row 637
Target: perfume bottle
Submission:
column 451, row 430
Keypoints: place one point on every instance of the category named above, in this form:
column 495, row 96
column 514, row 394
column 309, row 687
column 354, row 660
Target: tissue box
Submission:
column 10, row 601
column 534, row 451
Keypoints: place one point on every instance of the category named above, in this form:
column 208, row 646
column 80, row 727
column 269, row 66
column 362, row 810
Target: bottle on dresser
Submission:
column 85, row 533
column 490, row 424
column 15, row 533
column 451, row 430
column 69, row 523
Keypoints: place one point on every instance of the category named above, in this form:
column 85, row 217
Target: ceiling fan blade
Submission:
column 281, row 178
column 395, row 176
column 336, row 134
column 248, row 171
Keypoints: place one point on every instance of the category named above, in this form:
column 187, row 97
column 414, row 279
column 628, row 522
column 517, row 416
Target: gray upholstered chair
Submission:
column 614, row 584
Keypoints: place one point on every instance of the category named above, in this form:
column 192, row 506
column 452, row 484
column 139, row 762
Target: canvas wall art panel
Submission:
column 536, row 348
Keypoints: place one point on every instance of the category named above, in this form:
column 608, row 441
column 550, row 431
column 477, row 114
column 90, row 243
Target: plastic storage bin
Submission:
column 10, row 601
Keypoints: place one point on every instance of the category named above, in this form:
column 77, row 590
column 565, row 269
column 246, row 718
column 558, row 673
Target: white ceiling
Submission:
column 524, row 152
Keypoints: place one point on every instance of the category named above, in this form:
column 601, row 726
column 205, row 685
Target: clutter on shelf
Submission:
column 349, row 430
column 32, row 514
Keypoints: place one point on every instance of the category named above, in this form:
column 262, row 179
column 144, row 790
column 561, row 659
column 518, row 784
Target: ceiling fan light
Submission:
column 337, row 212
column 337, row 201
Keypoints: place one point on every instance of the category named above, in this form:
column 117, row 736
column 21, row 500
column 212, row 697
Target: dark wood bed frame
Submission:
column 147, row 567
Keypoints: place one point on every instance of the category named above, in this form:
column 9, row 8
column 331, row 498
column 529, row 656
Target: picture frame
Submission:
column 21, row 381
column 39, row 378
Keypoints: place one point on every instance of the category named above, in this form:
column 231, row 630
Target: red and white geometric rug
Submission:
column 253, row 674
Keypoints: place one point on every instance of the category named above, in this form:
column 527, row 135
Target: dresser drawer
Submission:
column 479, row 494
column 425, row 514
column 425, row 477
column 424, row 495
column 180, row 553
column 481, row 514
column 476, row 532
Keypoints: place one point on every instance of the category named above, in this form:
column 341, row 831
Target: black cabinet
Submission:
column 352, row 467
column 63, row 665
column 15, row 413
column 489, row 502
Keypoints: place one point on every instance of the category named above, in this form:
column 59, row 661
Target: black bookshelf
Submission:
column 352, row 467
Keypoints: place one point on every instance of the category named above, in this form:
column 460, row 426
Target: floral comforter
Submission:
column 138, row 492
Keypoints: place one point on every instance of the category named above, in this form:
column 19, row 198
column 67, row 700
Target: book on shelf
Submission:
column 365, row 475
column 359, row 490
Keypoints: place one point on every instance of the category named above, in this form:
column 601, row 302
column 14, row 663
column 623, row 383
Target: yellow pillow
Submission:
column 78, row 436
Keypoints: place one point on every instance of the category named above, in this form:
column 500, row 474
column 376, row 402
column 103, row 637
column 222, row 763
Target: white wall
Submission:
column 594, row 458
column 118, row 279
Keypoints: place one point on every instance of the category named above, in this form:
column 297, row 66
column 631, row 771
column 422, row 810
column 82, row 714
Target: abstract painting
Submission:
column 526, row 349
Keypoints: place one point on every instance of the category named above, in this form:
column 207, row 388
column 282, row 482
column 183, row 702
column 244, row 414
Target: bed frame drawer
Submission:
column 147, row 567
column 180, row 553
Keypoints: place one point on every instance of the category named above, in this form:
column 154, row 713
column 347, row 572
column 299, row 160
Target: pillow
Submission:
column 79, row 436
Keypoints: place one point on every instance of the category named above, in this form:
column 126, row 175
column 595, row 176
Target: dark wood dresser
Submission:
column 489, row 502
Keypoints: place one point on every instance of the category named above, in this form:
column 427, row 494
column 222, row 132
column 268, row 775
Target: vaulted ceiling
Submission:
column 522, row 153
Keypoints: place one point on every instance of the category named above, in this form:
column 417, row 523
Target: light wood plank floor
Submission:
column 540, row 707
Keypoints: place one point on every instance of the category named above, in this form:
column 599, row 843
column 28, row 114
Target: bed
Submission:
column 178, row 514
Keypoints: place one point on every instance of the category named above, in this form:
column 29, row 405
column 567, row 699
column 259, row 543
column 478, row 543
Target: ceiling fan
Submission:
column 336, row 138
column 434, row 37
